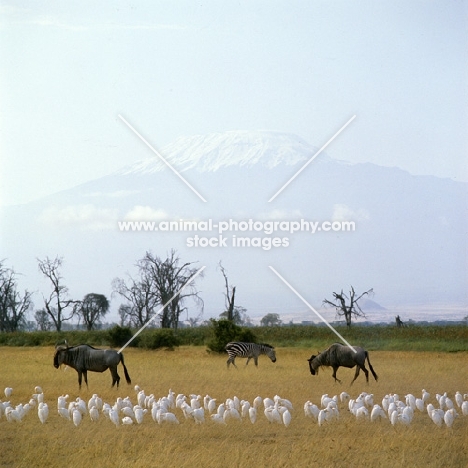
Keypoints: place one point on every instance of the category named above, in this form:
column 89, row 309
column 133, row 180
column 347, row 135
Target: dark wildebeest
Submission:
column 338, row 355
column 84, row 358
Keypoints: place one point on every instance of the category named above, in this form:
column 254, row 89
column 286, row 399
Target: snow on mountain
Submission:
column 233, row 148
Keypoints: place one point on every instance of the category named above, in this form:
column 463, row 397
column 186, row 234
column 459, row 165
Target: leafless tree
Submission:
column 43, row 321
column 158, row 283
column 92, row 309
column 141, row 299
column 13, row 306
column 350, row 310
column 168, row 277
column 233, row 313
column 56, row 304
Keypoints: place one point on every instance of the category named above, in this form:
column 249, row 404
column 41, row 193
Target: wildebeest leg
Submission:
column 356, row 374
column 80, row 375
column 115, row 376
column 334, row 375
column 366, row 372
column 85, row 374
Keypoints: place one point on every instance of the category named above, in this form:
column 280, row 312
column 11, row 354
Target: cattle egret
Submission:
column 8, row 391
column 448, row 403
column 425, row 395
column 377, row 413
column 464, row 408
column 169, row 418
column 43, row 412
column 267, row 402
column 114, row 416
column 217, row 419
column 419, row 404
column 394, row 417
column 62, row 401
column 64, row 413
column 437, row 417
column 245, row 409
column 362, row 413
column 449, row 417
column 459, row 399
column 221, row 409
column 139, row 413
column 311, row 410
column 94, row 413
column 252, row 414
column 199, row 415
column 81, row 406
column 322, row 417
column 344, row 397
column 127, row 420
column 77, row 417
column 286, row 418
column 257, row 402
column 126, row 411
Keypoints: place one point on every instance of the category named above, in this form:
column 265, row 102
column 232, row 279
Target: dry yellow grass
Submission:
column 345, row 443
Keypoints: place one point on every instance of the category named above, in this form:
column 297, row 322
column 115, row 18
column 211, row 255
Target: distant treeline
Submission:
column 445, row 338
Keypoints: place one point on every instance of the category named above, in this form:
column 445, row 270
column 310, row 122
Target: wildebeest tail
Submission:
column 371, row 368
column 127, row 377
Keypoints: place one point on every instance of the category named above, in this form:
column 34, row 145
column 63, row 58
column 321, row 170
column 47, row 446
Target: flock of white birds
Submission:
column 169, row 409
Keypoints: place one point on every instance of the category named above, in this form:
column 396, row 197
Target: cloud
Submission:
column 85, row 217
column 342, row 212
column 281, row 215
column 145, row 213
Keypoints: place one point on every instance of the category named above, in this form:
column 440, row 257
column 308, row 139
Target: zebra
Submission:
column 249, row 351
column 338, row 355
column 84, row 358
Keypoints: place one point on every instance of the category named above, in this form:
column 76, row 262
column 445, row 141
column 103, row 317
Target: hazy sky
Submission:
column 174, row 68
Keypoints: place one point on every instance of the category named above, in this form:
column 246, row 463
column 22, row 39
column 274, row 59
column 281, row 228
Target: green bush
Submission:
column 162, row 338
column 226, row 331
column 118, row 336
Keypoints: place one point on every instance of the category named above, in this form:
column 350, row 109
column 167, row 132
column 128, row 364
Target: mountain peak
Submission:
column 232, row 148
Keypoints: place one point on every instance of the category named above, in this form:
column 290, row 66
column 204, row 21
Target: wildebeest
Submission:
column 338, row 355
column 84, row 358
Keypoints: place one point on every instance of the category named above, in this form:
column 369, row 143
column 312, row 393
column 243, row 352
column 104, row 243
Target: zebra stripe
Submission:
column 249, row 351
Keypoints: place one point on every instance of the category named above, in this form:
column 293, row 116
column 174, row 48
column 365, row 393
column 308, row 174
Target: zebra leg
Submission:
column 256, row 361
column 248, row 359
column 231, row 361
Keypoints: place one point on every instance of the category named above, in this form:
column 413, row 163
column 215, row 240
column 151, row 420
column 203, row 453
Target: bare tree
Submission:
column 141, row 299
column 92, row 309
column 43, row 321
column 168, row 277
column 13, row 305
column 350, row 310
column 229, row 296
column 125, row 311
column 159, row 281
column 56, row 305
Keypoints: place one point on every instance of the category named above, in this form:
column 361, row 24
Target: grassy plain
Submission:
column 345, row 443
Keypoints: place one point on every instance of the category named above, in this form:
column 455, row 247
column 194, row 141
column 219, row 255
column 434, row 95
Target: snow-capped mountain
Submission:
column 409, row 242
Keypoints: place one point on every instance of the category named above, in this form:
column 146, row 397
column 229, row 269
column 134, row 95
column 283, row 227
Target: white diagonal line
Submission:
column 312, row 158
column 177, row 173
column 311, row 308
column 162, row 308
